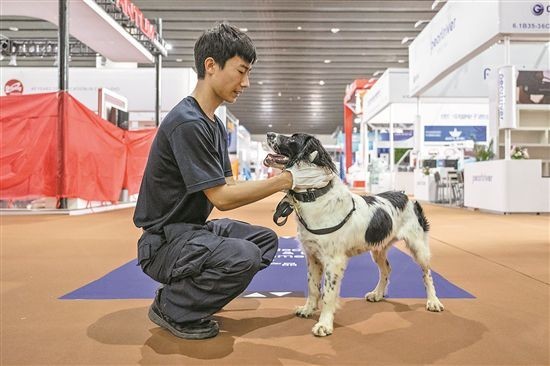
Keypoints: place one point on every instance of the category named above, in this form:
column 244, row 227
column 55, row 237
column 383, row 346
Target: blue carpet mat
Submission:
column 287, row 276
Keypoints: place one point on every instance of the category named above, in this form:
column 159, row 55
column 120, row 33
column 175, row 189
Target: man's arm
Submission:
column 231, row 195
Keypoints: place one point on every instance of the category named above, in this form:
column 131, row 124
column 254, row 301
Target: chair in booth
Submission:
column 457, row 187
column 441, row 189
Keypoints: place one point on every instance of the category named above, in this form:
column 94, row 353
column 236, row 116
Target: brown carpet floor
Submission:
column 502, row 259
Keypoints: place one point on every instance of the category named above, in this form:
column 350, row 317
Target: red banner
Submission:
column 99, row 159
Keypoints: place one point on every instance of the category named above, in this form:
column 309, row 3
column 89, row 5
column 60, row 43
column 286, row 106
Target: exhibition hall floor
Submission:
column 502, row 261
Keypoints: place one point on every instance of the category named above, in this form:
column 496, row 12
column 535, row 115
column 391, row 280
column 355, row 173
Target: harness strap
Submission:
column 330, row 229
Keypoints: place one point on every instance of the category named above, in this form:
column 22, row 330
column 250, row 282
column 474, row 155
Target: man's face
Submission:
column 230, row 82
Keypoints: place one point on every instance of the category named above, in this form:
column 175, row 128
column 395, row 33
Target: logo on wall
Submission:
column 14, row 87
column 538, row 9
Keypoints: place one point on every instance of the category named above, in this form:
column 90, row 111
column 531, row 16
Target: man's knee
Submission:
column 242, row 257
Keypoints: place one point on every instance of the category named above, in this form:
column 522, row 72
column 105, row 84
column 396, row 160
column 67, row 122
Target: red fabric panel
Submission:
column 99, row 159
column 95, row 155
column 138, row 144
column 28, row 145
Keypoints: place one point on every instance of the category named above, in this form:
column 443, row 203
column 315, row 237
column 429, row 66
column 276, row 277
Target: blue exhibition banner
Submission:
column 455, row 133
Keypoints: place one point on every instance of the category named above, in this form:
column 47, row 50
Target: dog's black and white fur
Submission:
column 376, row 223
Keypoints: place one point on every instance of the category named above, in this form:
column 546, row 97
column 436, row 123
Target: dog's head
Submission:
column 299, row 148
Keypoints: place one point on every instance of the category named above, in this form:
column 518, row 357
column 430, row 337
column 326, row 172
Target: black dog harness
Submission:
column 284, row 209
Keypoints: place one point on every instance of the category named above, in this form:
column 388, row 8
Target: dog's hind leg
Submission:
column 314, row 273
column 384, row 269
column 334, row 271
column 421, row 252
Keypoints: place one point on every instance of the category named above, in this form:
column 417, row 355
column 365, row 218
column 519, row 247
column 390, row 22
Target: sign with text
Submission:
column 454, row 133
column 506, row 92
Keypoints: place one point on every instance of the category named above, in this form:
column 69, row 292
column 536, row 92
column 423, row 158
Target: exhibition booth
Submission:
column 433, row 132
column 73, row 147
column 508, row 63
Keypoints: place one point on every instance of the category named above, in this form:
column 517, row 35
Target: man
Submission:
column 204, row 264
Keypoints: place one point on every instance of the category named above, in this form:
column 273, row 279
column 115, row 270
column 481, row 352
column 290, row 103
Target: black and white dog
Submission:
column 335, row 224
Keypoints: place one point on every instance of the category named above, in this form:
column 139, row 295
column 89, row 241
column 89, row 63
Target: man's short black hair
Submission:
column 223, row 42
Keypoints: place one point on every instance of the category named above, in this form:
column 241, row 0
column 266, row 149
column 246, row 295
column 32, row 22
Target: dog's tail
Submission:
column 420, row 216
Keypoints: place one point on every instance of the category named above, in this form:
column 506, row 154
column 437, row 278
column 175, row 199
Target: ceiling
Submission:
column 297, row 51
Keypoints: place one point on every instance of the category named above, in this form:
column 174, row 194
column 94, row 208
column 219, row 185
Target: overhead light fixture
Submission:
column 270, row 125
column 179, row 60
column 168, row 46
column 279, row 94
column 243, row 29
column 13, row 29
column 377, row 72
column 13, row 61
column 321, row 82
column 436, row 2
column 401, row 61
column 298, row 97
column 260, row 82
column 420, row 22
column 335, row 30
column 406, row 39
column 327, row 61
column 299, row 28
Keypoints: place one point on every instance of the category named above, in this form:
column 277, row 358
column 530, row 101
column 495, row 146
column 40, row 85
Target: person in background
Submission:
column 203, row 264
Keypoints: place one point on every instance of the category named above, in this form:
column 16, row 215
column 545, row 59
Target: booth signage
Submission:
column 446, row 43
column 397, row 136
column 506, row 89
column 135, row 15
column 455, row 133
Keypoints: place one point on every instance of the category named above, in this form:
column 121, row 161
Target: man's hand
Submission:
column 309, row 176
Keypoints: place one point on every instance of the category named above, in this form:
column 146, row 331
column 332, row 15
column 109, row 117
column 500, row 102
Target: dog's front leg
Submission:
column 314, row 272
column 334, row 271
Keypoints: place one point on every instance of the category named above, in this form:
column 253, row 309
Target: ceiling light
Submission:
column 406, row 39
column 168, row 46
column 327, row 61
column 260, row 83
column 244, row 29
column 299, row 28
column 436, row 2
column 321, row 82
column 13, row 61
column 377, row 72
column 13, row 29
column 401, row 61
column 270, row 125
column 179, row 60
column 335, row 30
column 279, row 94
column 298, row 97
column 420, row 22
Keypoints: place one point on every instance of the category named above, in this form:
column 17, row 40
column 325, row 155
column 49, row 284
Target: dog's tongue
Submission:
column 275, row 159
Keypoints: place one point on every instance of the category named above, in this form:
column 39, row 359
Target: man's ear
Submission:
column 312, row 156
column 209, row 65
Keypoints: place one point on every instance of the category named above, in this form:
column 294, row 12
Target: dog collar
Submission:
column 311, row 194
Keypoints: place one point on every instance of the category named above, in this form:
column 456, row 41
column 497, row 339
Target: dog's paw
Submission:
column 321, row 330
column 374, row 296
column 434, row 305
column 303, row 311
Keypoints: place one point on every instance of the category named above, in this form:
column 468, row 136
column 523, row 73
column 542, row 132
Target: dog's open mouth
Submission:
column 275, row 160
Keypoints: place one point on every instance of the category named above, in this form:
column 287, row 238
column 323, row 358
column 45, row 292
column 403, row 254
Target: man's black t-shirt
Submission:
column 189, row 154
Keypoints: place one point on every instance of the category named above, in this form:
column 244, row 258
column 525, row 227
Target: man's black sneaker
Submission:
column 202, row 329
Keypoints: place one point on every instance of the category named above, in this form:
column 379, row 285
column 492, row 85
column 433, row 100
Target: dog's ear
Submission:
column 312, row 156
